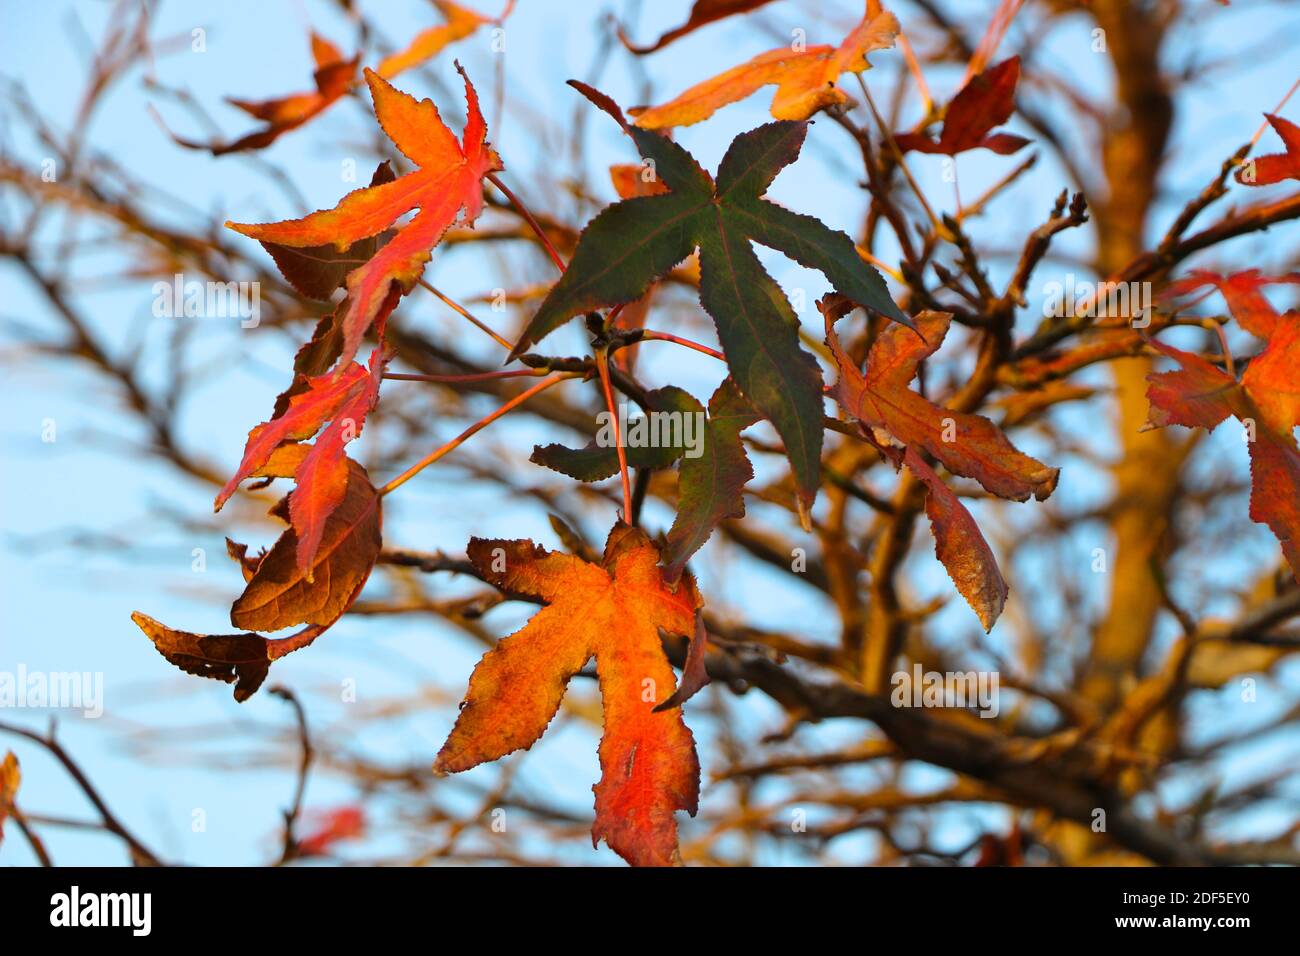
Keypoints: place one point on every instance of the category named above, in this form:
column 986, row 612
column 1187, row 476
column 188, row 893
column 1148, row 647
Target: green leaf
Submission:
column 711, row 486
column 599, row 460
column 633, row 243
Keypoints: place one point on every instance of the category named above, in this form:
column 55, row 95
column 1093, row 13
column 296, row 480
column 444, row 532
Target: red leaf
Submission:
column 1264, row 170
column 1267, row 401
column 1242, row 291
column 331, row 827
column 983, row 103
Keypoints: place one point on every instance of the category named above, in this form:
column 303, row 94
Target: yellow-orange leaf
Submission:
column 461, row 22
column 613, row 611
column 804, row 78
column 448, row 182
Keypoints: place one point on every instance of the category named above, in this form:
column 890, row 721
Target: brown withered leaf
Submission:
column 278, row 596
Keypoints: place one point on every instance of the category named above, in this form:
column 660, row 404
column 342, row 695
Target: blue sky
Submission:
column 68, row 609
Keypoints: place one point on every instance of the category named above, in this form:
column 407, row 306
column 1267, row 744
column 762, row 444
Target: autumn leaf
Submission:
column 10, row 778
column 1242, row 291
column 282, row 593
column 710, row 488
column 632, row 243
column 983, row 103
column 613, row 611
column 1274, row 168
column 321, row 473
column 447, row 183
column 330, row 827
column 702, row 13
column 334, row 76
column 278, row 595
column 804, row 78
column 461, row 23
column 317, row 271
column 1266, row 401
column 968, row 445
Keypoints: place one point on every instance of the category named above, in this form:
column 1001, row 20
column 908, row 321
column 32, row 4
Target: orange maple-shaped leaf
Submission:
column 1266, row 401
column 447, row 183
column 613, row 611
column 804, row 78
column 333, row 77
column 1242, row 291
column 967, row 445
column 1265, row 170
column 983, row 103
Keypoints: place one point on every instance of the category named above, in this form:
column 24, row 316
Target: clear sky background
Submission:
column 66, row 608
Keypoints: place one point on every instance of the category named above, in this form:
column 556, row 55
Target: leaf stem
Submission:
column 457, row 307
column 530, row 219
column 478, row 426
column 654, row 336
column 475, row 377
column 602, row 367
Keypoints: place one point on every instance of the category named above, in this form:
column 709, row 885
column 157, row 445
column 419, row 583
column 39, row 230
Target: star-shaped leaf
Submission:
column 447, row 183
column 613, row 611
column 632, row 243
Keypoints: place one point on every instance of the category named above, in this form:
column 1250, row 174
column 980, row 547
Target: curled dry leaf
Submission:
column 334, row 76
column 703, row 12
column 983, row 103
column 280, row 595
column 613, row 611
column 447, row 183
column 804, row 77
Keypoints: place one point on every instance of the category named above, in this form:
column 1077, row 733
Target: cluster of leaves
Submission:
column 618, row 611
